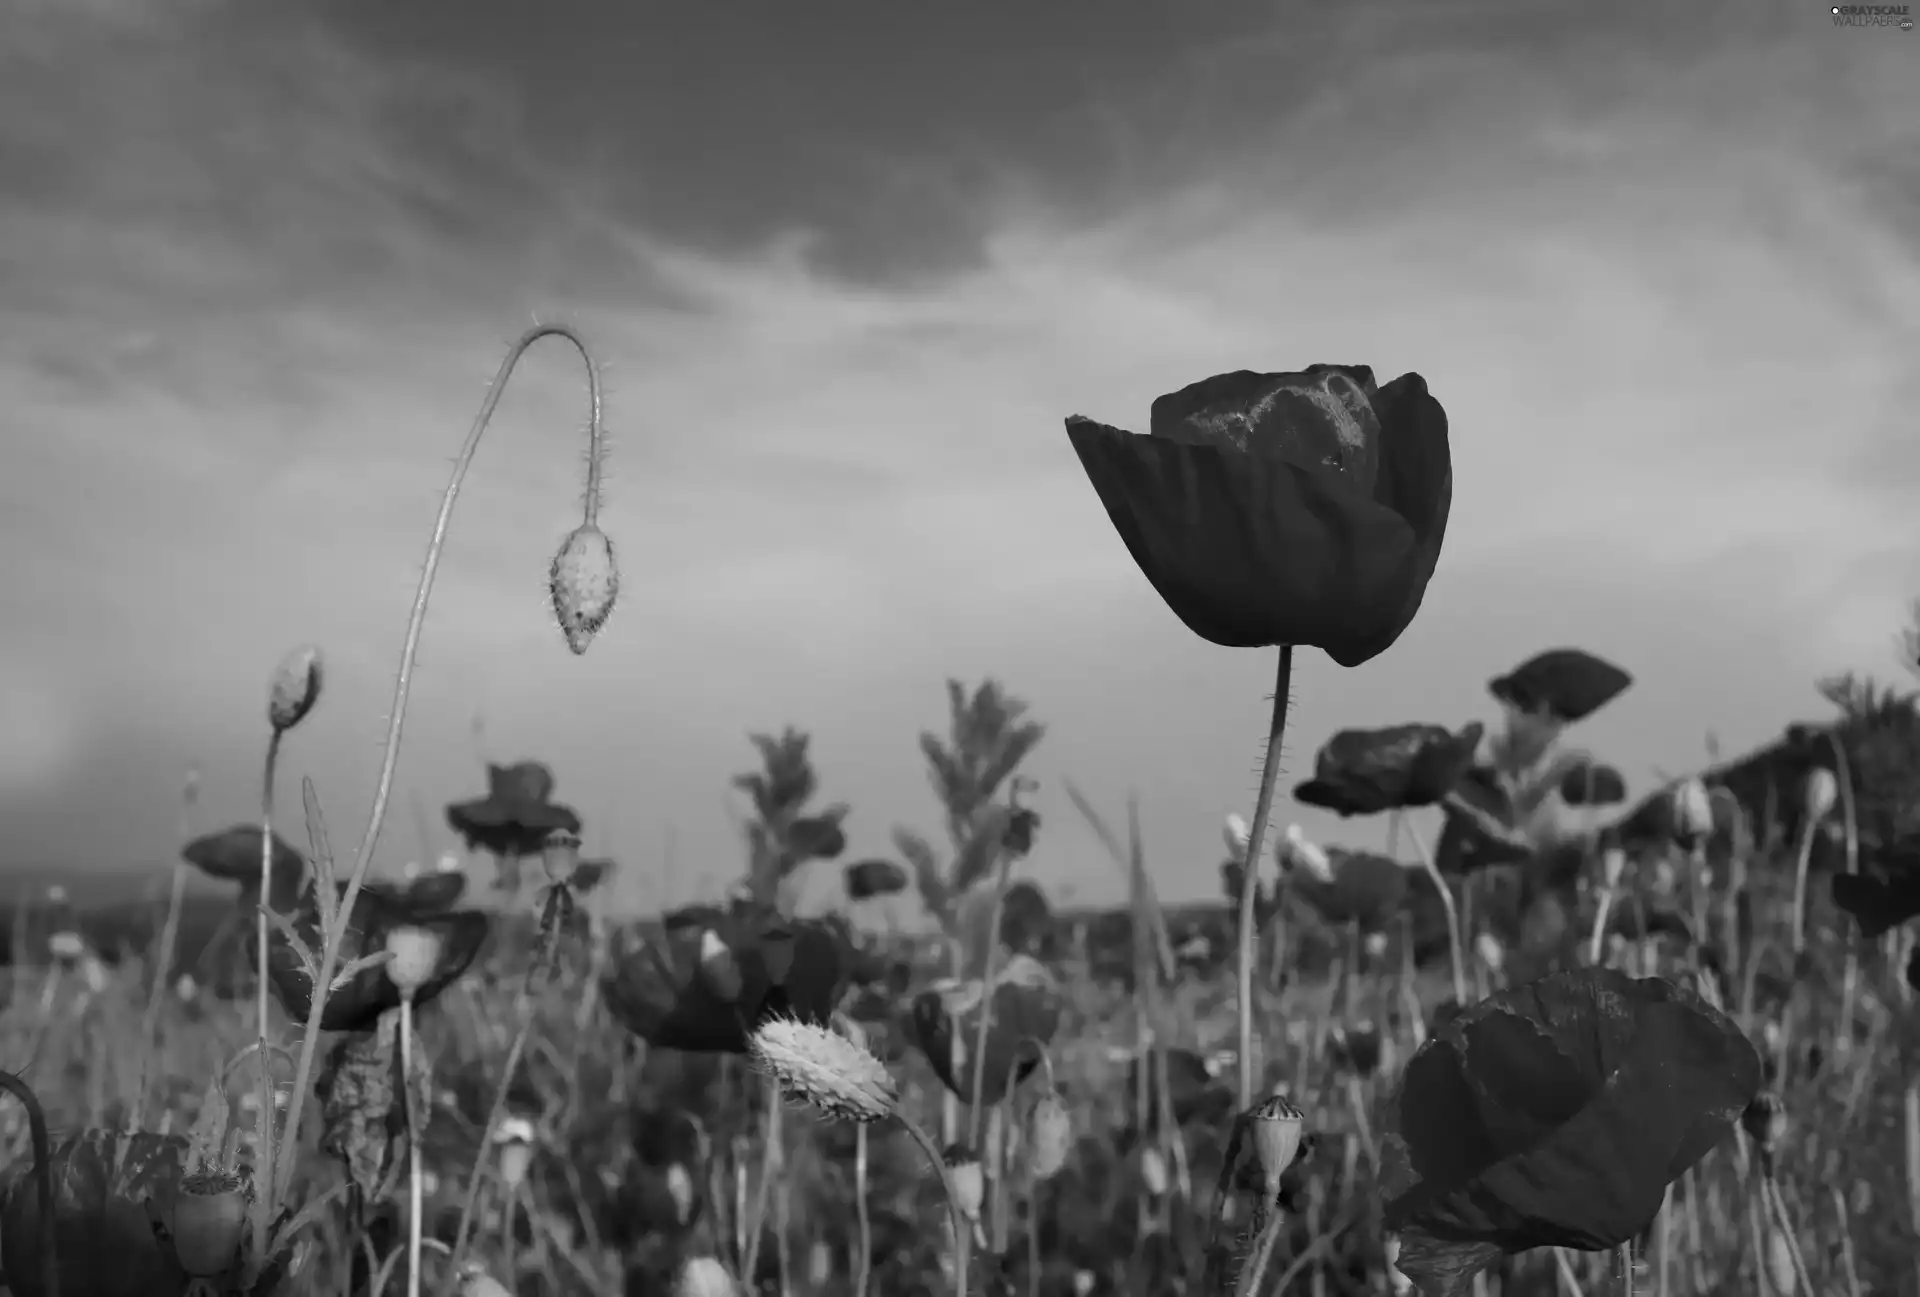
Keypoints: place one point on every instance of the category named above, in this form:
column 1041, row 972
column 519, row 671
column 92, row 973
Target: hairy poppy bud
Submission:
column 1296, row 852
column 1277, row 1129
column 1692, row 813
column 704, row 1276
column 824, row 1070
column 416, row 954
column 1237, row 834
column 1049, row 1136
column 209, row 1210
column 583, row 583
column 1822, row 793
column 294, row 689
column 718, row 967
column 969, row 1181
column 476, row 1282
column 1765, row 1120
column 1492, row 954
column 680, row 1189
column 1153, row 1171
column 515, row 1138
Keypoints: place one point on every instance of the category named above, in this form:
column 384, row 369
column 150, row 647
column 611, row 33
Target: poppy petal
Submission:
column 1415, row 483
column 1250, row 551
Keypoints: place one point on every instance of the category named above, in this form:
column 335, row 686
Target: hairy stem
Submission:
column 1250, row 883
column 403, row 687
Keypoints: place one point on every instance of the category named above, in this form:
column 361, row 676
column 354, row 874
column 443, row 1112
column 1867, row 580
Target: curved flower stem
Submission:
column 863, row 1262
column 1452, row 917
column 414, row 1119
column 1255, row 1268
column 403, row 686
column 1250, row 882
column 42, row 1178
column 962, row 1231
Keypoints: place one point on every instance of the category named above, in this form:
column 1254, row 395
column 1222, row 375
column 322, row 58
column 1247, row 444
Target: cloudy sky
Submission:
column 847, row 267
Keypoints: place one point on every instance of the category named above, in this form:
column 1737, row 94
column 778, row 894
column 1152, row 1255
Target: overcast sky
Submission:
column 848, row 266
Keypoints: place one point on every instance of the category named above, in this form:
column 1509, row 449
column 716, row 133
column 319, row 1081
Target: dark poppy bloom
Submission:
column 1026, row 1012
column 816, row 837
column 1638, row 921
column 1027, row 925
column 516, row 815
column 1291, row 508
column 1364, row 772
column 439, row 890
column 1478, row 829
column 703, row 978
column 1361, row 887
column 1590, row 783
column 866, row 879
column 357, row 1004
column 1886, row 893
column 103, row 1225
column 1556, row 1114
column 1568, row 684
column 233, row 856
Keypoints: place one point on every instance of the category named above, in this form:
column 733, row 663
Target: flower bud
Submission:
column 583, row 582
column 819, row 1264
column 416, row 956
column 1613, row 865
column 1822, row 793
column 1376, row 945
column 209, row 1211
column 515, row 1138
column 67, row 946
column 1692, row 813
column 718, row 967
column 1296, row 852
column 476, row 1282
column 680, row 1189
column 1277, row 1128
column 294, row 689
column 704, row 1276
column 1765, row 1120
column 1492, row 954
column 1049, row 1136
column 1153, row 1171
column 968, row 1180
column 1237, row 834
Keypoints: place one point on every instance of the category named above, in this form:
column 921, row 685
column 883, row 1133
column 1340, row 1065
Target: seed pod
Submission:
column 1822, row 792
column 583, row 583
column 209, row 1213
column 969, row 1181
column 1049, row 1136
column 416, row 955
column 294, row 689
column 1277, row 1128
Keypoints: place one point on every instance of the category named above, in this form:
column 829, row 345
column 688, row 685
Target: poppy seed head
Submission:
column 1277, row 1130
column 583, row 582
column 294, row 688
column 823, row 1070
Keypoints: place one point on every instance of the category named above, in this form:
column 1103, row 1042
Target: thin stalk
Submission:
column 1451, row 914
column 414, row 1230
column 1250, row 882
column 770, row 1159
column 288, row 1153
column 162, row 971
column 863, row 1222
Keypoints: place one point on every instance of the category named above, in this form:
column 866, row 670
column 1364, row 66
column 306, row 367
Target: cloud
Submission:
column 1665, row 288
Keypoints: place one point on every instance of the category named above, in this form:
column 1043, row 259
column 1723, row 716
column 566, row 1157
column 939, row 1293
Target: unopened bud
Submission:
column 1236, row 834
column 1153, row 1172
column 718, row 967
column 968, row 1180
column 1613, row 864
column 294, row 689
column 476, row 1282
column 1692, row 813
column 583, row 582
column 416, row 956
column 1049, row 1136
column 1822, row 793
column 1376, row 945
column 680, row 1189
column 704, row 1276
column 1493, row 955
column 515, row 1138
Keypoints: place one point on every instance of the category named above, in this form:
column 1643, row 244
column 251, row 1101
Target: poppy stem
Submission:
column 1250, row 881
column 42, row 1179
column 280, row 1174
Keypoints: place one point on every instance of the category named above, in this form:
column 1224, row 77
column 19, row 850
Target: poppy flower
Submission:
column 1887, row 893
column 1556, row 1114
column 1288, row 508
column 103, row 1225
column 377, row 911
column 1478, row 829
column 1589, row 783
column 1027, row 1003
column 866, row 879
column 1194, row 1087
column 1364, row 772
column 428, row 893
column 703, row 978
column 1567, row 684
column 233, row 856
column 1360, row 887
column 516, row 815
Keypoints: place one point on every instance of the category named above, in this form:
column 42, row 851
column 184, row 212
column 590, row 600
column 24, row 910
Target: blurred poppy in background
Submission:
column 702, row 978
column 1027, row 1004
column 233, row 856
column 1556, row 1114
column 356, row 1004
column 1886, row 893
column 1285, row 508
column 1566, row 684
column 867, row 879
column 1589, row 783
column 514, row 818
column 1364, row 772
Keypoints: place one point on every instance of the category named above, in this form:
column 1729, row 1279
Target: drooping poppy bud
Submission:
column 584, row 582
column 1822, row 792
column 294, row 689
